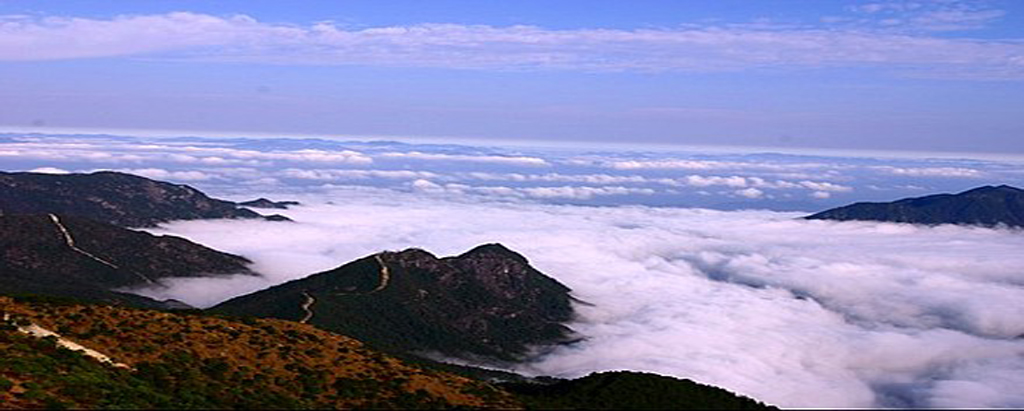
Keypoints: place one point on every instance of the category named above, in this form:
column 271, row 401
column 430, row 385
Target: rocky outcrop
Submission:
column 984, row 206
column 486, row 304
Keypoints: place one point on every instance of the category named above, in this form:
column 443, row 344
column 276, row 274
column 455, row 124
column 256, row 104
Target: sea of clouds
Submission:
column 655, row 176
column 795, row 313
column 684, row 267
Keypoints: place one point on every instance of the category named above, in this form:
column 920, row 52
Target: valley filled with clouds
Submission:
column 792, row 312
column 687, row 263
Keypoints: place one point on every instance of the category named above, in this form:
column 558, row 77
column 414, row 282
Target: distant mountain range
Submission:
column 984, row 206
column 487, row 303
column 265, row 203
column 115, row 198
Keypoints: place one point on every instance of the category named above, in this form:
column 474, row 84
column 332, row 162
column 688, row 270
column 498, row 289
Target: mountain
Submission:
column 984, row 206
column 265, row 203
column 488, row 303
column 111, row 197
column 64, row 355
column 77, row 257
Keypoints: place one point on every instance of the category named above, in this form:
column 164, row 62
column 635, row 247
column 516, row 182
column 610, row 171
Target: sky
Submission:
column 928, row 75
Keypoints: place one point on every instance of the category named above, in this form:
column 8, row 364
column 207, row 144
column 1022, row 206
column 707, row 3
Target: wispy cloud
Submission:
column 161, row 174
column 558, row 192
column 929, row 15
column 335, row 174
column 185, row 35
column 511, row 160
column 957, row 172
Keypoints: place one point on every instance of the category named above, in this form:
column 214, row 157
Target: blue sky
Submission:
column 889, row 75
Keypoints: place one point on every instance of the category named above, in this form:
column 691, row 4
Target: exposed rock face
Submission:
column 265, row 203
column 77, row 257
column 985, row 206
column 488, row 303
column 115, row 198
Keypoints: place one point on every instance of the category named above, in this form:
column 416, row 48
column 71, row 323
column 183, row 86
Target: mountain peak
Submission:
column 487, row 303
column 1003, row 188
column 494, row 249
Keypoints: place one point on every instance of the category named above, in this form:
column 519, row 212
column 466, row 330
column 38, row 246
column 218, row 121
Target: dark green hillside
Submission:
column 984, row 206
column 76, row 257
column 627, row 390
column 487, row 303
column 115, row 198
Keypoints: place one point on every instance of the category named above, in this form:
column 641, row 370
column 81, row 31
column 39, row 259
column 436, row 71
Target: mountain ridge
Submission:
column 78, row 257
column 982, row 206
column 112, row 197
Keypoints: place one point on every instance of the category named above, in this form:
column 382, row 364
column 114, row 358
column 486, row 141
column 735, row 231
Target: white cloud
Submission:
column 338, row 174
column 691, row 48
column 932, row 171
column 704, row 181
column 750, row 193
column 49, row 170
column 930, row 15
column 122, row 152
column 821, row 195
column 687, row 164
column 426, row 185
column 305, row 155
column 161, row 174
column 669, row 164
column 582, row 193
column 824, row 186
column 564, row 178
column 796, row 313
column 560, row 192
column 511, row 160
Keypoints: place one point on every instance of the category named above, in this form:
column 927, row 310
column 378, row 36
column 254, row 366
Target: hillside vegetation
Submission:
column 192, row 360
column 197, row 361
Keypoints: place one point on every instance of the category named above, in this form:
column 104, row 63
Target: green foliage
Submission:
column 60, row 378
column 5, row 384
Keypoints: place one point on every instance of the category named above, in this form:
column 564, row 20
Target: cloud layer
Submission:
column 796, row 313
column 695, row 48
column 724, row 180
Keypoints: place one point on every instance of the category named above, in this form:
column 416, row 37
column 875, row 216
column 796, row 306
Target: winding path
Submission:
column 70, row 241
column 385, row 275
column 307, row 307
column 40, row 332
column 385, row 278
